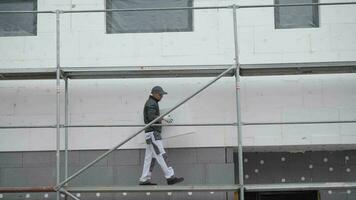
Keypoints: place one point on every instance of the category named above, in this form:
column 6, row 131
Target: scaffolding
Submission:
column 235, row 69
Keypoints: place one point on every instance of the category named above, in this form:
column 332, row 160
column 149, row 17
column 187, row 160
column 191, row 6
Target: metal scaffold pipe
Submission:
column 184, row 8
column 27, row 11
column 183, row 124
column 174, row 125
column 66, row 118
column 58, row 76
column 298, row 123
column 295, row 4
column 26, row 189
column 150, row 9
column 142, row 125
column 27, row 127
column 69, row 194
column 211, row 7
column 238, row 106
column 156, row 188
column 299, row 186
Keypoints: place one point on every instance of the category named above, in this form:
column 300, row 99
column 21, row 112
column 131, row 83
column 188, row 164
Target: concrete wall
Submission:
column 199, row 166
column 297, row 98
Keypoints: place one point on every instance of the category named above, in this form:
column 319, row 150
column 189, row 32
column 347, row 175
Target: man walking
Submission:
column 154, row 147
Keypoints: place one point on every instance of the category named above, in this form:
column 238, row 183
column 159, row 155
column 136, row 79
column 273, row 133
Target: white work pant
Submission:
column 154, row 152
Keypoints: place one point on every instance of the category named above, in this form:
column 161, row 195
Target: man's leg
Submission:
column 160, row 154
column 146, row 172
column 148, row 165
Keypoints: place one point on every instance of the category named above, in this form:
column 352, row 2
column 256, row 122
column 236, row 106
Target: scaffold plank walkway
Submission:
column 169, row 71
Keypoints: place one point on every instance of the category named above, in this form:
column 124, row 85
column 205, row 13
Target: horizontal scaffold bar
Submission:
column 173, row 125
column 190, row 188
column 158, row 188
column 299, row 186
column 181, row 8
column 298, row 123
column 26, row 189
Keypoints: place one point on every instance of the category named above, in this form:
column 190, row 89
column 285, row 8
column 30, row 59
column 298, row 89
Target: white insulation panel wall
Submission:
column 264, row 99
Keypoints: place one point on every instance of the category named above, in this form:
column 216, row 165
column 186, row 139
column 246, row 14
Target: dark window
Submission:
column 303, row 195
column 149, row 21
column 18, row 24
column 296, row 16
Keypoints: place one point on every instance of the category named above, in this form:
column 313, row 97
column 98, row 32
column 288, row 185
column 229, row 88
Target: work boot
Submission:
column 174, row 180
column 147, row 183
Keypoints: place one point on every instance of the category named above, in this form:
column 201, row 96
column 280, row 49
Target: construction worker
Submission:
column 154, row 147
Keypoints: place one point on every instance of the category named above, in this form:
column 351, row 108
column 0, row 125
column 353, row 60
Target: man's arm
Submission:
column 151, row 113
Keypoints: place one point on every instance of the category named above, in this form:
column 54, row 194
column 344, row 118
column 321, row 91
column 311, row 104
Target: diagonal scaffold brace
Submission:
column 60, row 185
column 68, row 194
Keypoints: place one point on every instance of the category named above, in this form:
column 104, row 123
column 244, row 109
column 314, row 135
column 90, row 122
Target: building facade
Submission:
column 312, row 34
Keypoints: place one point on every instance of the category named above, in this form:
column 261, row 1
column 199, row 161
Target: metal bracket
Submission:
column 58, row 11
column 235, row 6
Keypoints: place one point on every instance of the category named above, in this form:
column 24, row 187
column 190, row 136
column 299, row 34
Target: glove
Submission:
column 168, row 119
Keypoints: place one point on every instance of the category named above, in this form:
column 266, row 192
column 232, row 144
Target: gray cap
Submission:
column 159, row 90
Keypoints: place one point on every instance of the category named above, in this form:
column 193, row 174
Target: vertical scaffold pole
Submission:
column 58, row 90
column 238, row 107
column 66, row 117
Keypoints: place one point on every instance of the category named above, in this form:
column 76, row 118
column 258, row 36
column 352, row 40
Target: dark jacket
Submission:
column 151, row 112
